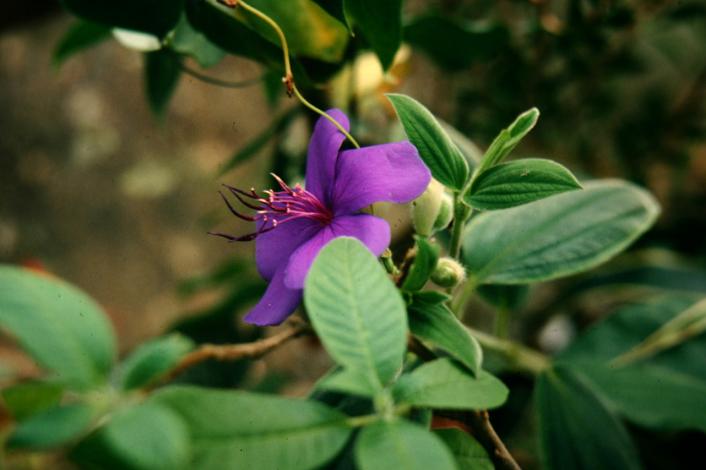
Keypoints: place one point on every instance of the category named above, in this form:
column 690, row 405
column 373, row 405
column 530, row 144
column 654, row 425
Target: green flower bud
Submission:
column 446, row 212
column 426, row 208
column 448, row 273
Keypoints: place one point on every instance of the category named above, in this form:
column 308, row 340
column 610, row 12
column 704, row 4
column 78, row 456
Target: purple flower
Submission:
column 293, row 224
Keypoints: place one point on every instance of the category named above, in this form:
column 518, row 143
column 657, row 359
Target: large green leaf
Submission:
column 162, row 72
column 432, row 321
column 151, row 16
column 380, row 23
column 26, row 399
column 422, row 266
column 401, row 445
column 245, row 430
column 519, row 182
column 52, row 428
column 469, row 454
column 80, row 36
column 557, row 236
column 186, row 40
column 64, row 330
column 442, row 383
column 508, row 139
column 357, row 311
column 576, row 430
column 152, row 359
column 436, row 148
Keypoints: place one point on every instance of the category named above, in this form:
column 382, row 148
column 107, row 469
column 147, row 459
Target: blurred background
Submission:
column 99, row 189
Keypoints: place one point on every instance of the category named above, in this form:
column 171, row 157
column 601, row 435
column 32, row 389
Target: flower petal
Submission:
column 273, row 248
column 276, row 305
column 372, row 231
column 324, row 145
column 388, row 172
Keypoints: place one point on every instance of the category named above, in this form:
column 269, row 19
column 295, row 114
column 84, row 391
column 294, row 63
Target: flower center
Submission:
column 275, row 208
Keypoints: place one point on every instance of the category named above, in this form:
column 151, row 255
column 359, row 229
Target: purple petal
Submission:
column 324, row 145
column 273, row 248
column 388, row 172
column 276, row 305
column 372, row 231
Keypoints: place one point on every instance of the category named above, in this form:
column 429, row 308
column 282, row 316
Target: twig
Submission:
column 484, row 432
column 217, row 81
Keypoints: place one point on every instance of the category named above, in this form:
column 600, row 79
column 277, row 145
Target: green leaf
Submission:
column 346, row 381
column 80, row 36
column 576, row 430
column 153, row 359
column 357, row 311
column 442, row 39
column 422, row 266
column 380, row 23
column 519, row 182
column 148, row 436
column 62, row 328
column 52, row 428
column 466, row 450
column 247, row 430
column 443, row 383
column 435, row 323
column 401, row 445
column 557, row 236
column 162, row 72
column 26, row 399
column 436, row 148
column 150, row 16
column 188, row 41
column 508, row 139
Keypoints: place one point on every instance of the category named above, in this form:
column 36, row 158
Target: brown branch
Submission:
column 479, row 422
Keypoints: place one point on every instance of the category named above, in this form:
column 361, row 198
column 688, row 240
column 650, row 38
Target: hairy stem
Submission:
column 461, row 214
column 517, row 355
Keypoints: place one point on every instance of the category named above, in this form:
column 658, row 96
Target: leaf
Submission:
column 455, row 45
column 403, row 445
column 58, row 325
column 162, row 72
column 380, row 23
column 469, row 454
column 150, row 16
column 247, row 430
column 508, row 139
column 519, row 182
column 576, row 430
column 346, row 381
column 52, row 428
column 442, row 383
column 435, row 147
column 148, row 436
column 80, row 36
column 26, row 399
column 186, row 40
column 435, row 323
column 152, row 359
column 422, row 266
column 557, row 236
column 357, row 311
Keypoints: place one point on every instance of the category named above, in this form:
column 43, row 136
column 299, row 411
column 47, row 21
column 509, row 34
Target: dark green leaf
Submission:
column 150, row 16
column 435, row 323
column 80, row 36
column 468, row 452
column 58, row 325
column 25, row 399
column 519, row 182
column 162, row 72
column 557, row 236
column 52, row 428
column 357, row 311
column 153, row 359
column 401, row 445
column 576, row 430
column 508, row 139
column 445, row 384
column 440, row 154
column 380, row 23
column 245, row 430
column 422, row 266
column 188, row 41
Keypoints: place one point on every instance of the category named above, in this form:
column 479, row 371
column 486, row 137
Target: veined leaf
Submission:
column 357, row 311
column 380, row 23
column 444, row 384
column 519, row 182
column 152, row 359
column 52, row 428
column 435, row 147
column 468, row 452
column 508, row 139
column 557, row 236
column 422, row 266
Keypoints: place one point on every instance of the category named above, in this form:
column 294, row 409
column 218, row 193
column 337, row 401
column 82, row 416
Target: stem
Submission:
column 461, row 214
column 389, row 263
column 306, row 103
column 459, row 303
column 485, row 433
column 217, row 81
column 517, row 355
column 502, row 323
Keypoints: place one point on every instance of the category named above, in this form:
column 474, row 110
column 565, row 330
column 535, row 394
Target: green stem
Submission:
column 518, row 356
column 461, row 213
column 306, row 103
column 461, row 300
column 502, row 322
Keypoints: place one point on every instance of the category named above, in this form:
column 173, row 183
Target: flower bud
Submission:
column 446, row 212
column 426, row 208
column 448, row 273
